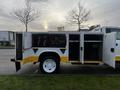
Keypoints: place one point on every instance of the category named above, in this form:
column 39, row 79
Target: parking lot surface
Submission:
column 7, row 67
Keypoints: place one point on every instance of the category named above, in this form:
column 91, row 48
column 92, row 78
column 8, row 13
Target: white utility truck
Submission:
column 51, row 48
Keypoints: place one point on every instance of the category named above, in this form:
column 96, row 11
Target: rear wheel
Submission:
column 49, row 65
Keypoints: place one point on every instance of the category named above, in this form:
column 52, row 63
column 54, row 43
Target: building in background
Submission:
column 7, row 38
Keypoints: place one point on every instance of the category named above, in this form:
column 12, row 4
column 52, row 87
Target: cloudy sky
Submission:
column 53, row 12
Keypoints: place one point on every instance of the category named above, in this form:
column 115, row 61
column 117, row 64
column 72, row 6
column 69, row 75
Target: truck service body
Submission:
column 51, row 48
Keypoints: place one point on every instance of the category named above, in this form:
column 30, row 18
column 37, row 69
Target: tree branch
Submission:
column 27, row 14
column 78, row 16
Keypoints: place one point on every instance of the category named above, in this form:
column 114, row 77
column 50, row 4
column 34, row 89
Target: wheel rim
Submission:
column 49, row 65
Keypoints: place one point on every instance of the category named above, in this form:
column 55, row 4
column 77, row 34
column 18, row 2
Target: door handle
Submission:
column 81, row 48
column 116, row 44
column 112, row 50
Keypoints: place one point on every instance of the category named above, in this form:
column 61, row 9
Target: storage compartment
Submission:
column 92, row 51
column 93, row 37
column 74, row 47
column 93, row 45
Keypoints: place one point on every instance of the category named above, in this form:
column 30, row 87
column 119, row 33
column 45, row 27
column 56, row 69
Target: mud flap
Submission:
column 18, row 66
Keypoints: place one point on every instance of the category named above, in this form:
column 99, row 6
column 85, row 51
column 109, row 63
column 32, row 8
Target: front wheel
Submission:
column 49, row 65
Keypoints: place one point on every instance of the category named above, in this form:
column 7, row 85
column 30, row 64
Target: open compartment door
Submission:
column 19, row 55
column 27, row 40
column 109, row 49
column 82, row 48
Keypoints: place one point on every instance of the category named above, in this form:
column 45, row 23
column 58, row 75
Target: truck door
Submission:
column 19, row 55
column 109, row 49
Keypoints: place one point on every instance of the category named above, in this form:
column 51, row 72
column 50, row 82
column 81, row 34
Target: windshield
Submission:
column 118, row 35
column 109, row 30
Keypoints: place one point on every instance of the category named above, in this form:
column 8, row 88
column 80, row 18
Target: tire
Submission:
column 49, row 65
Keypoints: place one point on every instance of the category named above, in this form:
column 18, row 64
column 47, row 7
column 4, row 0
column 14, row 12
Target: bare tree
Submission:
column 78, row 16
column 26, row 14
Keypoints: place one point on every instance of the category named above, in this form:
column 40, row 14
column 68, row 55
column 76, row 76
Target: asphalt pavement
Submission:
column 8, row 68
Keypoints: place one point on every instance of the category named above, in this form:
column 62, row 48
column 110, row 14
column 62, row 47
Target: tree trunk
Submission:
column 26, row 27
column 79, row 26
